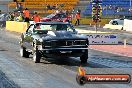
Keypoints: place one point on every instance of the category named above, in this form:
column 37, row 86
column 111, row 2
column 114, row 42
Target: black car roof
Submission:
column 52, row 23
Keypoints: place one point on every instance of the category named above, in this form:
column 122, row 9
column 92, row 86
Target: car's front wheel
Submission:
column 84, row 57
column 36, row 56
column 23, row 52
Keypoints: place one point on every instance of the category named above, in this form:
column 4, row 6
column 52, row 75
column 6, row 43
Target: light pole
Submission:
column 130, row 4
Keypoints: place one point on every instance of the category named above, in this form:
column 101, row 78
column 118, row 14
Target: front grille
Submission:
column 65, row 43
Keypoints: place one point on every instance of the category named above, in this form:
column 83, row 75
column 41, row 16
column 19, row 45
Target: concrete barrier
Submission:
column 16, row 26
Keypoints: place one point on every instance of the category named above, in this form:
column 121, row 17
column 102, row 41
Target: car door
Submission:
column 28, row 37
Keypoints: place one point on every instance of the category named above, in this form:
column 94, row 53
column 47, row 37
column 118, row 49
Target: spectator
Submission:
column 26, row 15
column 20, row 17
column 110, row 6
column 12, row 16
column 67, row 12
column 16, row 17
column 57, row 6
column 48, row 7
column 77, row 16
column 61, row 5
column 19, row 7
column 79, row 11
column 36, row 17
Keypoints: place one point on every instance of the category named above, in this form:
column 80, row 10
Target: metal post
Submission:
column 125, row 43
column 130, row 4
column 106, row 12
column 96, row 27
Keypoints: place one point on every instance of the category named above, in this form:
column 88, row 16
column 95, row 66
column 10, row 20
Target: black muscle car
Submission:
column 52, row 39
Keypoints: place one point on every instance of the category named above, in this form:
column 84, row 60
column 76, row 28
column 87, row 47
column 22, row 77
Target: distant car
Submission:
column 117, row 22
column 52, row 39
column 60, row 17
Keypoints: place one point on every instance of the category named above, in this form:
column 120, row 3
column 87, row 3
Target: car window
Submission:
column 61, row 27
column 42, row 27
column 53, row 27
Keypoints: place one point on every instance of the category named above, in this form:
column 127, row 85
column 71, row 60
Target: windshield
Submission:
column 53, row 27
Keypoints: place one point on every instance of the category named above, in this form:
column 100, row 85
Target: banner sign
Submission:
column 103, row 38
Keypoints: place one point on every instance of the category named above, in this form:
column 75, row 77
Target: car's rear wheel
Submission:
column 84, row 57
column 36, row 56
column 24, row 53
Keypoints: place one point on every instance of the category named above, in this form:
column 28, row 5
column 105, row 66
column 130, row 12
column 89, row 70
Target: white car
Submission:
column 117, row 22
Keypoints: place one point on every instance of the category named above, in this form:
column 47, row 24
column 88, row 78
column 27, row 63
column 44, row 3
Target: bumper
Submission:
column 66, row 49
column 63, row 52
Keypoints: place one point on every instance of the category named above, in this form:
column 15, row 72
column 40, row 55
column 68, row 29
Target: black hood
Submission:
column 55, row 35
column 63, row 35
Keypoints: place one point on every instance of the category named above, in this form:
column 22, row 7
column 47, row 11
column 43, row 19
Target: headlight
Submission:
column 83, row 42
column 80, row 42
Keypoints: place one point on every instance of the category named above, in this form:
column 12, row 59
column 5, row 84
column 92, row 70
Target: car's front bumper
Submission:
column 67, row 52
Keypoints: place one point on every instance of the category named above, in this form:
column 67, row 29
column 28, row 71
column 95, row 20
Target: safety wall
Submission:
column 16, row 26
column 127, row 25
column 103, row 38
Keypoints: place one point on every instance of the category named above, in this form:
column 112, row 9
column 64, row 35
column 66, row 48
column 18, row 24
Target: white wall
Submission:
column 127, row 25
column 103, row 38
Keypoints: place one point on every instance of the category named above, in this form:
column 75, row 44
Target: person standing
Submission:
column 77, row 16
column 20, row 17
column 26, row 15
column 36, row 17
column 19, row 7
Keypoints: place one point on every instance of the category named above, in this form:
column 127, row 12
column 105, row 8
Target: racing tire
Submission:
column 24, row 53
column 36, row 56
column 84, row 57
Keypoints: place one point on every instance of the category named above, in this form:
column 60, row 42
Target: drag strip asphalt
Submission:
column 57, row 72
